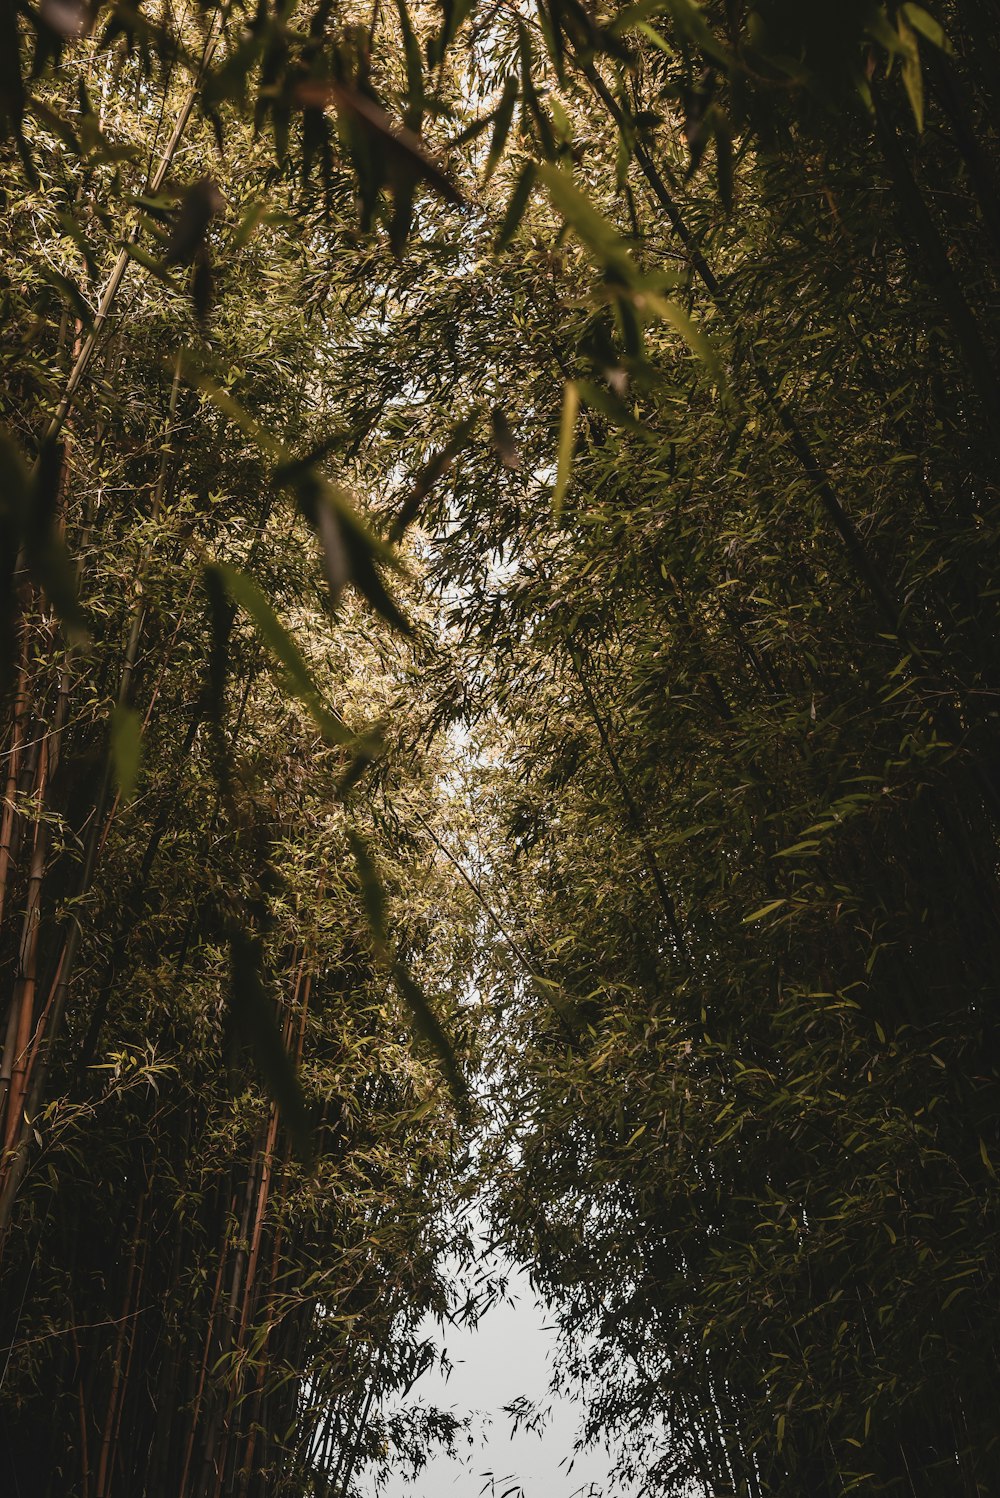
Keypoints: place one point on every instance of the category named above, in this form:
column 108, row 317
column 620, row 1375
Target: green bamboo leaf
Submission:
column 434, row 469
column 600, row 237
column 414, row 71
column 425, row 1021
column 554, row 41
column 351, row 551
column 247, row 594
column 501, row 127
column 687, row 17
column 45, row 550
column 254, row 216
column 567, row 442
column 652, row 35
column 922, row 21
column 609, row 405
column 529, row 93
column 253, row 1014
column 758, row 915
column 232, row 408
column 126, row 748
column 68, row 289
column 516, row 206
column 455, row 12
column 913, row 78
column 472, row 131
column 879, row 27
column 698, row 341
column 430, row 1029
column 371, row 889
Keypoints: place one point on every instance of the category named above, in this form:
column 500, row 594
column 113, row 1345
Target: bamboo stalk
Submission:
column 203, row 1371
column 105, row 1458
column 15, row 1057
column 934, row 263
column 217, row 1436
column 632, row 809
column 8, row 819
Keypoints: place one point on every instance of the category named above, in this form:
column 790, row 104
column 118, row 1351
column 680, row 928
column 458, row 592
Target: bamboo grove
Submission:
column 499, row 611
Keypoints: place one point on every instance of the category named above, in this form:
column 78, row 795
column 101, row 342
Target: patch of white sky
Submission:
column 520, row 1436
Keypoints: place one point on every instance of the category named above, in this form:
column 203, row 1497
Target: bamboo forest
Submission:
column 500, row 730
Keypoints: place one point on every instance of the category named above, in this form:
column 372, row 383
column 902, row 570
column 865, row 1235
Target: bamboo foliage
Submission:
column 530, row 475
column 205, row 1300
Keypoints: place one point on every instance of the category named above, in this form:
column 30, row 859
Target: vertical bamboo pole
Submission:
column 7, row 819
column 106, row 1458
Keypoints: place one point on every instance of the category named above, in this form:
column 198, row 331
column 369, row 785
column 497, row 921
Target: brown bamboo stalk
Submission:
column 633, row 812
column 20, row 1016
column 270, row 1149
column 300, row 999
column 15, row 1057
column 246, row 1468
column 101, row 1489
column 82, row 1412
column 37, row 1042
column 203, row 1371
column 8, row 820
column 14, row 1065
column 217, row 1436
column 132, row 1328
column 258, row 1224
column 11, row 1178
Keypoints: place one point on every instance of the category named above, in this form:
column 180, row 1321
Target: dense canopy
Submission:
column 499, row 665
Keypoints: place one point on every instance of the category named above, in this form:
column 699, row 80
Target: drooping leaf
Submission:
column 921, row 20
column 200, row 204
column 434, row 469
column 243, row 591
column 503, row 440
column 231, row 407
column 351, row 551
column 913, row 78
column 126, row 748
column 430, row 1029
column 254, row 1019
column 501, row 127
column 414, row 71
column 758, row 915
column 45, row 550
column 610, row 405
column 698, row 341
column 687, row 17
column 372, row 890
column 567, row 443
column 425, row 1021
column 403, row 154
column 516, row 205
column 601, row 238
